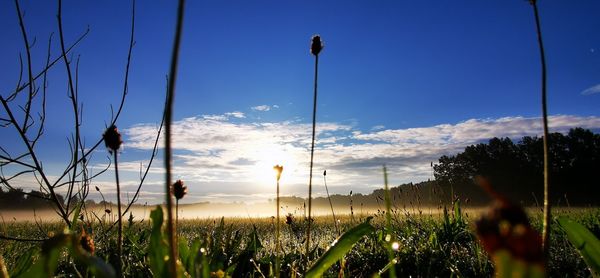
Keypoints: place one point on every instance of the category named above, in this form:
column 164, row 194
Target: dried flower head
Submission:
column 87, row 243
column 289, row 219
column 112, row 138
column 179, row 190
column 316, row 45
column 506, row 227
column 278, row 169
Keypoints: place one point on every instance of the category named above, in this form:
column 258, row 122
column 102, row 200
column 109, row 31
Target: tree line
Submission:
column 516, row 169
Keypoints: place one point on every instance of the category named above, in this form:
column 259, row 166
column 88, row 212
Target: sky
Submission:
column 400, row 83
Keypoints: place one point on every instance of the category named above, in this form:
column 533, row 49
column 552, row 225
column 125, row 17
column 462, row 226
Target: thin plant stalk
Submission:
column 312, row 153
column 389, row 239
column 335, row 223
column 547, row 206
column 168, row 155
column 277, row 228
column 279, row 170
column 120, row 219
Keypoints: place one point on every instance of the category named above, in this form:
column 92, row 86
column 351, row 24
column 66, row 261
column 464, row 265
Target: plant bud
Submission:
column 87, row 243
column 179, row 190
column 317, row 45
column 112, row 138
column 279, row 169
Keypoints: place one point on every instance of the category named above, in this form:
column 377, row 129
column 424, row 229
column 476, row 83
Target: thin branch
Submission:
column 22, row 87
column 10, row 160
column 114, row 119
column 29, row 67
column 126, row 81
column 44, row 88
column 20, row 76
column 143, row 177
column 72, row 96
column 37, row 163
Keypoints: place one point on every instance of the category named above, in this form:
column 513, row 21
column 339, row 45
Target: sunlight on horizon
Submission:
column 269, row 156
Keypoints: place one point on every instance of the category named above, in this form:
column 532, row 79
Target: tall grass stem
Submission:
column 120, row 219
column 168, row 155
column 277, row 231
column 337, row 230
column 547, row 206
column 312, row 153
column 389, row 238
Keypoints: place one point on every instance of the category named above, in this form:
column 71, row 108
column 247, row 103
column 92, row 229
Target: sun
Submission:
column 267, row 157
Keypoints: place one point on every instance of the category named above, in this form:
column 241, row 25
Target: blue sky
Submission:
column 400, row 82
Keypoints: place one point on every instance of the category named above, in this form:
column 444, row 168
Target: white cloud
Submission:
column 262, row 108
column 236, row 114
column 217, row 155
column 591, row 90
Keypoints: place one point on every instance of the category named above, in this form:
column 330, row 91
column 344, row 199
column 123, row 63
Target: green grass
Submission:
column 430, row 245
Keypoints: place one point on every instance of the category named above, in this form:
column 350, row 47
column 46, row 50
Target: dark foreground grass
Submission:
column 429, row 245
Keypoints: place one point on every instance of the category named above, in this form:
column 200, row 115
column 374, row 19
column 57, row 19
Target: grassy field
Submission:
column 428, row 245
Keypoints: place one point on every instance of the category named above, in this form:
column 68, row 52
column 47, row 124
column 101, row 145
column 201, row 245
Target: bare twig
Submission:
column 50, row 65
column 29, row 67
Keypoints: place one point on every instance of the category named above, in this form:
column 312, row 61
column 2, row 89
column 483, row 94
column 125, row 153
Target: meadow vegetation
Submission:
column 442, row 244
column 400, row 239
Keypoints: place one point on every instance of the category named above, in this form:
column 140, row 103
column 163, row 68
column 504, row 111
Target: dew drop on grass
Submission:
column 334, row 242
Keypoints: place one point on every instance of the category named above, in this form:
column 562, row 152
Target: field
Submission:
column 429, row 245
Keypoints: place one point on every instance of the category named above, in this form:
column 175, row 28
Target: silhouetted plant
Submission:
column 389, row 239
column 278, row 169
column 75, row 179
column 315, row 48
column 179, row 191
column 506, row 234
column 112, row 140
column 337, row 230
column 547, row 205
column 168, row 155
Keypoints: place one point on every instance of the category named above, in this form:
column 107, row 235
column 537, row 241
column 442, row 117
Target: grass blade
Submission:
column 584, row 241
column 340, row 247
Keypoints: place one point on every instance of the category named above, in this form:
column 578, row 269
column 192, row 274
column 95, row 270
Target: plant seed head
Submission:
column 179, row 190
column 112, row 138
column 316, row 45
column 87, row 243
column 278, row 169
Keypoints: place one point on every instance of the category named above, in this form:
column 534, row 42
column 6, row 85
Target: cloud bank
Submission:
column 221, row 155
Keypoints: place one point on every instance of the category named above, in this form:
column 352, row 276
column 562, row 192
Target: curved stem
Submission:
column 312, row 152
column 168, row 118
column 120, row 219
column 547, row 206
column 337, row 230
column 277, row 244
